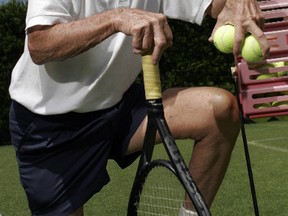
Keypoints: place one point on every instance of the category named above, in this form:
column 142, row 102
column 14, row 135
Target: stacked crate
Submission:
column 263, row 87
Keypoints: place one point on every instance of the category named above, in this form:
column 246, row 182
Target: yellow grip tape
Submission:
column 151, row 77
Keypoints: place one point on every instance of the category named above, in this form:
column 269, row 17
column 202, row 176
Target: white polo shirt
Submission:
column 97, row 78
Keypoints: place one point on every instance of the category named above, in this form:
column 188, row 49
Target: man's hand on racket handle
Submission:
column 149, row 31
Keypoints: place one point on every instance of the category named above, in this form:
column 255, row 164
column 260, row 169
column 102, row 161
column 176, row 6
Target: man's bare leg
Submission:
column 210, row 117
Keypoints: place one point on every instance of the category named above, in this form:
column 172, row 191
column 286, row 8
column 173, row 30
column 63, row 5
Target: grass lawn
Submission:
column 268, row 145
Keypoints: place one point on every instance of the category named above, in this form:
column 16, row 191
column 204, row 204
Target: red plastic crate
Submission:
column 276, row 24
column 250, row 74
column 271, row 4
column 252, row 96
column 253, row 91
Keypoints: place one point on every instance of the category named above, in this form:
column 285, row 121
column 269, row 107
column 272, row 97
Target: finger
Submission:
column 260, row 20
column 137, row 40
column 218, row 24
column 238, row 39
column 162, row 38
column 168, row 33
column 156, row 55
column 148, row 38
column 264, row 44
column 261, row 38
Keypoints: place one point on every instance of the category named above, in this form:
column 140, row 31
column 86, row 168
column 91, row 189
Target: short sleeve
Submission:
column 50, row 12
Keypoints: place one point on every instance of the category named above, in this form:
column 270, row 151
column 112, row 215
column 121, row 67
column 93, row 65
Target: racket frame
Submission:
column 157, row 122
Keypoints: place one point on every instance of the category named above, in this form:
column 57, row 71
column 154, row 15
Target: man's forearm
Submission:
column 61, row 41
column 150, row 31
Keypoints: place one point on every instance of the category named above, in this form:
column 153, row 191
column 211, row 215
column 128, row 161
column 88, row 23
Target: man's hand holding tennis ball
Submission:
column 224, row 41
column 242, row 23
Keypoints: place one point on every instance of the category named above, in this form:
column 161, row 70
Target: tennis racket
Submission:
column 161, row 185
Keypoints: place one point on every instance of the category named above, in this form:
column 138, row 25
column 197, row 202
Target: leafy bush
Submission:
column 192, row 60
column 12, row 24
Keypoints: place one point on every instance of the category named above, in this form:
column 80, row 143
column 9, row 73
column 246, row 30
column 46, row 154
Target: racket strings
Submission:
column 162, row 194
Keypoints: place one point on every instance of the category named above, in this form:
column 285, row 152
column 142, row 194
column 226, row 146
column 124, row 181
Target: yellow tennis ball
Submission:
column 224, row 38
column 281, row 73
column 262, row 119
column 266, row 76
column 281, row 64
column 281, row 103
column 251, row 50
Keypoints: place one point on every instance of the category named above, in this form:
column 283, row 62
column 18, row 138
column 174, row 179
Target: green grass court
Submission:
column 268, row 145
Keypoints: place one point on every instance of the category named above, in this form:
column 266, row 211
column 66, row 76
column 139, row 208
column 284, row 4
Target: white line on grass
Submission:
column 259, row 143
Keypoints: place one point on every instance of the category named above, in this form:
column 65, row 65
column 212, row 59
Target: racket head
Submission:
column 180, row 168
column 157, row 191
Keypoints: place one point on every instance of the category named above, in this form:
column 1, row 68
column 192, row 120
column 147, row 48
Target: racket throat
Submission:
column 155, row 109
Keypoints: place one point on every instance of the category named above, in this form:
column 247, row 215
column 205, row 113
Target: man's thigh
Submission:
column 189, row 112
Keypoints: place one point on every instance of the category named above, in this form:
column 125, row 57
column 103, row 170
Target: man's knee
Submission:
column 226, row 111
column 225, row 106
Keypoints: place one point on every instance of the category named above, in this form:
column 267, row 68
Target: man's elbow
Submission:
column 36, row 54
column 36, row 42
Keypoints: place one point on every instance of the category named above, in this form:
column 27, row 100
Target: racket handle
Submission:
column 151, row 76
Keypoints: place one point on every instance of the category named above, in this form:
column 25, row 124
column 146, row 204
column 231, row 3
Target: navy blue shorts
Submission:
column 62, row 158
